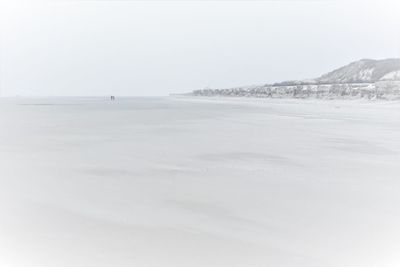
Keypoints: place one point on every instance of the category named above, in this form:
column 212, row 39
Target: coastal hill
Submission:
column 366, row 78
column 362, row 71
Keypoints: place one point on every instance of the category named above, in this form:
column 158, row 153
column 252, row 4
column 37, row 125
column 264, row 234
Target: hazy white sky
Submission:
column 159, row 47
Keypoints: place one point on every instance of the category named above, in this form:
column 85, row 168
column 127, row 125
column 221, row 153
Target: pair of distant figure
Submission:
column 112, row 97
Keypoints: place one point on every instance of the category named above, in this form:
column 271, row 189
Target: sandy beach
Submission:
column 199, row 182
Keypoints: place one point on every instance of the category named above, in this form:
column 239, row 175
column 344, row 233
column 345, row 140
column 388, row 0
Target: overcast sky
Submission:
column 160, row 47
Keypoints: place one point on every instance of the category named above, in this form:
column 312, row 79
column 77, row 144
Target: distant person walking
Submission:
column 112, row 98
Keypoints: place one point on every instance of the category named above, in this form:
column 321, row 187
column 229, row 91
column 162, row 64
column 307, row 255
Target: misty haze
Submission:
column 199, row 133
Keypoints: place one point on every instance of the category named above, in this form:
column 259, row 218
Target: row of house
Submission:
column 378, row 90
